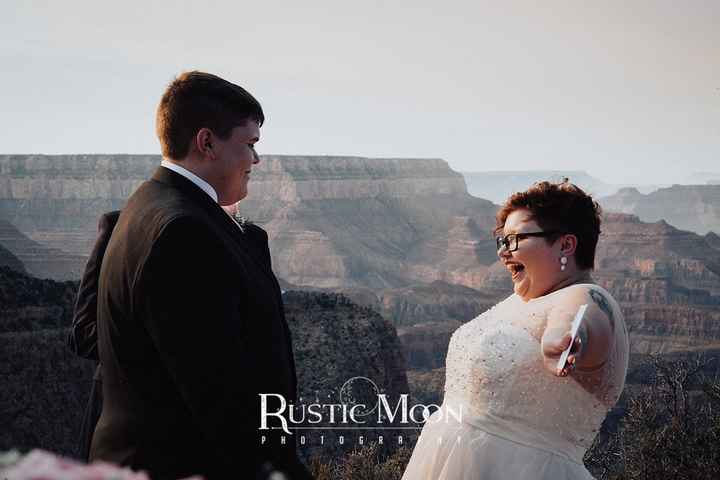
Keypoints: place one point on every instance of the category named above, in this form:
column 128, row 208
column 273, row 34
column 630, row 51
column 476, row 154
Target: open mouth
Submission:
column 516, row 269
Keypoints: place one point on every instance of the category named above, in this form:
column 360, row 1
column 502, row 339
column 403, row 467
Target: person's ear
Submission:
column 568, row 244
column 203, row 141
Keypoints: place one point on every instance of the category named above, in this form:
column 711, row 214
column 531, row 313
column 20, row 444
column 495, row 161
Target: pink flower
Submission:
column 43, row 465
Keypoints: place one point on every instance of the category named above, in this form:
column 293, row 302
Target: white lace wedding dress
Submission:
column 519, row 421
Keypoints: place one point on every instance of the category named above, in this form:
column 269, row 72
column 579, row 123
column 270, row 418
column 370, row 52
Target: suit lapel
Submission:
column 214, row 211
column 247, row 248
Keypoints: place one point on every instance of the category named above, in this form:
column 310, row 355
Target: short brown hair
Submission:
column 196, row 100
column 563, row 207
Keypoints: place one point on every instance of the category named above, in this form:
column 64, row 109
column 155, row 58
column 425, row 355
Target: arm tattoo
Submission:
column 602, row 302
column 582, row 335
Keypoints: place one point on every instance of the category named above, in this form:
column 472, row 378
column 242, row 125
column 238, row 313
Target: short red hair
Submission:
column 563, row 207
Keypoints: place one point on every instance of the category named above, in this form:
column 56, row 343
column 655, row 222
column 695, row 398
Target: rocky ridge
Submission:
column 349, row 222
column 666, row 280
column 383, row 230
column 45, row 387
column 332, row 221
column 7, row 259
column 688, row 207
column 38, row 259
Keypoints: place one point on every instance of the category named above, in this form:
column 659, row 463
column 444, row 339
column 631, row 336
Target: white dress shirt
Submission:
column 206, row 187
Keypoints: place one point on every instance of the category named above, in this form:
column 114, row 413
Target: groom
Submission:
column 191, row 327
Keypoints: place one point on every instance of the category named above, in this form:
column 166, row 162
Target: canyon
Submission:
column 46, row 387
column 401, row 236
column 688, row 207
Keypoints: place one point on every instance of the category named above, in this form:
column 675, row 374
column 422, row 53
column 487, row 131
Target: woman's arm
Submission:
column 592, row 343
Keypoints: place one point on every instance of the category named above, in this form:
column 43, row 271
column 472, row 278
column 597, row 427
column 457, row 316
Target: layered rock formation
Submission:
column 688, row 207
column 57, row 199
column 437, row 301
column 666, row 280
column 343, row 221
column 38, row 259
column 381, row 230
column 333, row 221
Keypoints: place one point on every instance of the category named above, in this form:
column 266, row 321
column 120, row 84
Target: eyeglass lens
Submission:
column 509, row 242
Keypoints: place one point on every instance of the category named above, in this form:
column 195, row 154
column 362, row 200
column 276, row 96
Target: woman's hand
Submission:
column 554, row 342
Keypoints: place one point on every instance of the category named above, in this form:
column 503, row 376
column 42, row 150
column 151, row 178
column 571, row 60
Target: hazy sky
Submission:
column 627, row 90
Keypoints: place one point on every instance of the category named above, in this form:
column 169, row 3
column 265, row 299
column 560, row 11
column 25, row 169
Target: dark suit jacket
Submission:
column 82, row 339
column 83, row 334
column 191, row 329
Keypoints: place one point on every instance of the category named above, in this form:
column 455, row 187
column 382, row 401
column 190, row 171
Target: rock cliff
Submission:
column 437, row 301
column 333, row 221
column 688, row 207
column 7, row 259
column 56, row 199
column 338, row 222
column 339, row 347
column 38, row 259
column 380, row 229
column 45, row 387
column 666, row 280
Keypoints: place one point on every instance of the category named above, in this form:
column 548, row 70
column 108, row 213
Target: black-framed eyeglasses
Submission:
column 510, row 241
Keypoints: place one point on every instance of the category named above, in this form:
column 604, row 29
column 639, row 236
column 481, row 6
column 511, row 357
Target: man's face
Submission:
column 234, row 159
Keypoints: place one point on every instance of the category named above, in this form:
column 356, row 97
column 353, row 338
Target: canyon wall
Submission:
column 688, row 207
column 666, row 280
column 402, row 236
column 45, row 387
column 332, row 221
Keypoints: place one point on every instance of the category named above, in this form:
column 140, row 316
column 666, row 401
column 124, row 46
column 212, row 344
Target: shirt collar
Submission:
column 205, row 186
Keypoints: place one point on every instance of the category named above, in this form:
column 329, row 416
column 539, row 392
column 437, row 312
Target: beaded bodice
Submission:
column 494, row 368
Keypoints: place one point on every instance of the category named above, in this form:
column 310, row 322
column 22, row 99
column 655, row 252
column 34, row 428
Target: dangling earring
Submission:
column 563, row 262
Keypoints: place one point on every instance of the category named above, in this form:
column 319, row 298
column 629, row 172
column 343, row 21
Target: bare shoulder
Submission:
column 603, row 303
column 600, row 304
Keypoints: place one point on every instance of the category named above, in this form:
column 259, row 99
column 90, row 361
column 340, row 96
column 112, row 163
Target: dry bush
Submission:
column 671, row 427
column 365, row 463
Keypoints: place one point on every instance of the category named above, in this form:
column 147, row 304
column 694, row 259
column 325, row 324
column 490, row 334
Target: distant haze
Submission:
column 499, row 185
column 628, row 92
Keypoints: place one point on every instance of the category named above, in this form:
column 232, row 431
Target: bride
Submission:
column 521, row 415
